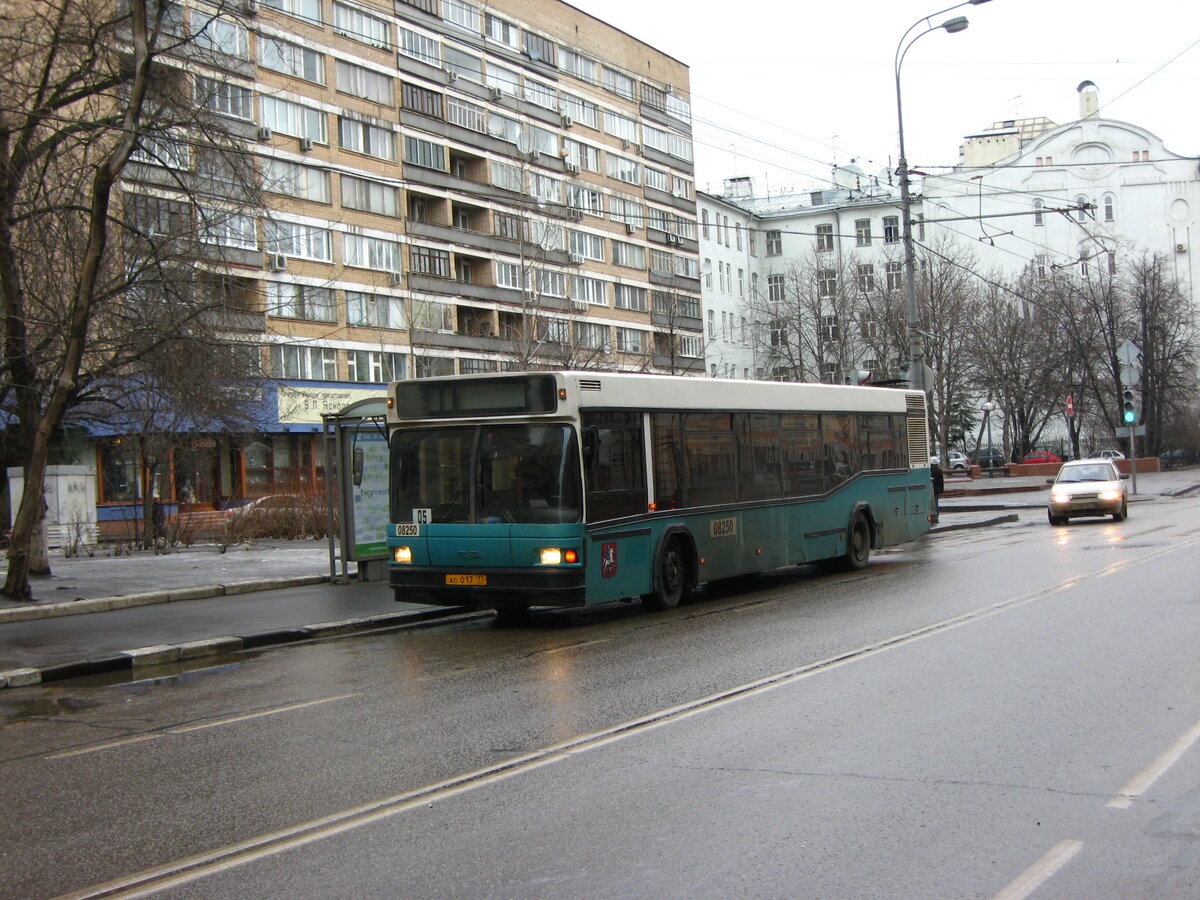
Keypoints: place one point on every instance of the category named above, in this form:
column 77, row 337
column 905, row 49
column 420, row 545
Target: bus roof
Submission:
column 630, row 390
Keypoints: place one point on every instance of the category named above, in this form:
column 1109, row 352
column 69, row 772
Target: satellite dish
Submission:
column 524, row 141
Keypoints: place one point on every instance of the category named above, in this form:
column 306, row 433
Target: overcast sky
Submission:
column 782, row 89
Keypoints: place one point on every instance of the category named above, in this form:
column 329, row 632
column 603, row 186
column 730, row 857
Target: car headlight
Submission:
column 1060, row 497
column 1109, row 495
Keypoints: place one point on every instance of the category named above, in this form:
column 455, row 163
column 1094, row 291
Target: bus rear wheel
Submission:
column 671, row 578
column 858, row 548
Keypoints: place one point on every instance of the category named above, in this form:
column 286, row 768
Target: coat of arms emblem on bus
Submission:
column 608, row 560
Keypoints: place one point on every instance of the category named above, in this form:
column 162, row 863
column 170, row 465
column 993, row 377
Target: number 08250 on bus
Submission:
column 577, row 488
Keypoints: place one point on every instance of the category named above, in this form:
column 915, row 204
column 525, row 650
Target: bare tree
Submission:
column 87, row 89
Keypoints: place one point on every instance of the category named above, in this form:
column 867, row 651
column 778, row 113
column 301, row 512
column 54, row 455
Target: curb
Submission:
column 998, row 520
column 147, row 598
column 167, row 654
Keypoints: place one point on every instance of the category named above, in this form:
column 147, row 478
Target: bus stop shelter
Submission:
column 356, row 453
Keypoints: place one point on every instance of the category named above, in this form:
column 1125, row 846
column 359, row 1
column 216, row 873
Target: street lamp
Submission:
column 987, row 414
column 916, row 360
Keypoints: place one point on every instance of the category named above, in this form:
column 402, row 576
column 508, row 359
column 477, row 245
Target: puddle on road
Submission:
column 44, row 707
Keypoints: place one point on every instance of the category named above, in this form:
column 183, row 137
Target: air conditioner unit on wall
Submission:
column 264, row 132
column 306, row 144
column 395, row 278
column 576, row 258
column 571, row 168
column 567, row 121
column 630, row 228
column 575, row 214
column 496, row 93
column 1181, row 248
column 673, row 239
column 277, row 262
column 249, row 7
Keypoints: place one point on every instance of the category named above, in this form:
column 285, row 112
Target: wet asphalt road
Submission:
column 973, row 710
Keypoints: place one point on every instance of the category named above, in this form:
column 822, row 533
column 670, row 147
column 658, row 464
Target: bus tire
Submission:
column 858, row 548
column 670, row 577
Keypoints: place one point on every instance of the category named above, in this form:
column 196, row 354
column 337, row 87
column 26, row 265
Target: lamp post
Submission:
column 916, row 356
column 987, row 417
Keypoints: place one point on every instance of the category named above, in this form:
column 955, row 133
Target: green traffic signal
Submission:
column 1128, row 407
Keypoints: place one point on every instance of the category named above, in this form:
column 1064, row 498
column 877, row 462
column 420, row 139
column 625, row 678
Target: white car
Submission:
column 1107, row 454
column 1087, row 487
column 958, row 461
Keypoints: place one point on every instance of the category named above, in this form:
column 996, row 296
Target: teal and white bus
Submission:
column 576, row 488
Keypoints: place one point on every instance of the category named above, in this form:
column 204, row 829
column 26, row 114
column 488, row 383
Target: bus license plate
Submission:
column 470, row 580
column 403, row 530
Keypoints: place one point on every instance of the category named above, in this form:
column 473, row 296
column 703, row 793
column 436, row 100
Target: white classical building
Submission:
column 1027, row 192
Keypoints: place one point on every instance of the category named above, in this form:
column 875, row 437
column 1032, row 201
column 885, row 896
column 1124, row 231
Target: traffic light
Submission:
column 1129, row 411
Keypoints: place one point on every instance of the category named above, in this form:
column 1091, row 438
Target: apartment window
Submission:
column 224, row 228
column 503, row 79
column 630, row 297
column 463, row 14
column 585, row 156
column 301, row 241
column 375, row 367
column 891, row 229
column 862, row 232
column 894, row 273
column 162, row 150
column 423, row 100
column 540, row 48
column 541, row 94
column 628, row 211
column 870, row 331
column 304, row 363
column 741, row 283
column 669, row 304
column 866, row 277
column 775, row 288
column 589, row 246
column 658, row 179
column 294, row 119
column 220, row 35
column 418, row 46
column 429, row 315
column 826, row 282
column 632, row 256
column 1081, row 208
column 660, row 261
column 464, row 65
column 579, row 66
column 362, row 252
column 620, row 126
column 368, row 139
column 370, row 196
column 689, row 346
column 686, row 267
column 360, row 26
column 300, row 301
column 428, row 261
column 433, row 366
column 505, row 32
column 301, row 9
column 619, row 83
column 151, row 215
column 424, row 153
column 507, row 177
column 830, row 331
column 630, row 340
column 359, row 81
column 579, row 110
column 591, row 335
column 655, row 98
column 824, row 237
column 291, row 59
column 622, row 169
column 552, row 283
column 588, row 290
column 712, row 326
column 737, row 233
column 508, row 275
column 774, row 241
column 1110, row 208
column 225, row 98
column 587, row 199
column 555, row 331
column 374, row 310
column 1038, row 215
column 1042, row 265
column 467, row 115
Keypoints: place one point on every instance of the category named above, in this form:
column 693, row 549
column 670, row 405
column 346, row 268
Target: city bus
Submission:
column 577, row 488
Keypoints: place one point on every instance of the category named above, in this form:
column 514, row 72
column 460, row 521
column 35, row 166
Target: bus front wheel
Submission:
column 670, row 580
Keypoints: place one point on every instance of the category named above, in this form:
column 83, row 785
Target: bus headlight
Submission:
column 555, row 556
column 402, row 554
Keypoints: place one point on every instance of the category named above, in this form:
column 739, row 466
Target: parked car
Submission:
column 1171, row 459
column 1087, row 487
column 990, row 458
column 1041, row 456
column 1107, row 454
column 956, row 461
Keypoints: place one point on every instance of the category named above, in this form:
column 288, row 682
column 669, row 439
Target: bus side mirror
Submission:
column 591, row 445
column 356, row 467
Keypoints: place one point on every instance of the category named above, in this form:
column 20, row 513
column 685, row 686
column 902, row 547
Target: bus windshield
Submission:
column 485, row 474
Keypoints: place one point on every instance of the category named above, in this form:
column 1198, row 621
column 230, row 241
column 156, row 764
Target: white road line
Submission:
column 188, row 869
column 1141, row 782
column 1041, row 871
column 185, row 729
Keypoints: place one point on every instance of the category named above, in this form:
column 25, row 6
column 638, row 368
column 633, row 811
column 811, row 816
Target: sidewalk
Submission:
column 233, row 601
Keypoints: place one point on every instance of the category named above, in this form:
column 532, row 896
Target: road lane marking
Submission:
column 1141, row 782
column 231, row 856
column 186, row 729
column 1041, row 871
